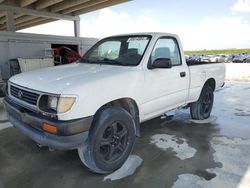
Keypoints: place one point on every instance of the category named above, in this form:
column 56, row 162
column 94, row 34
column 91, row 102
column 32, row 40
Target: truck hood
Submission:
column 57, row 79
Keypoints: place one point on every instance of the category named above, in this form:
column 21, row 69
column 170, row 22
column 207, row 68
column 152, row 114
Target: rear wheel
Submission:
column 111, row 140
column 202, row 108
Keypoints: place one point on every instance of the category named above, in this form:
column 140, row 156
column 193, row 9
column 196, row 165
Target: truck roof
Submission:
column 154, row 34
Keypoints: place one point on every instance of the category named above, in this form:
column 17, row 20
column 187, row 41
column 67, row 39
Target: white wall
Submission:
column 23, row 45
column 238, row 72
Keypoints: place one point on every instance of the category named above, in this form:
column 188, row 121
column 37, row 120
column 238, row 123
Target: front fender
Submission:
column 93, row 96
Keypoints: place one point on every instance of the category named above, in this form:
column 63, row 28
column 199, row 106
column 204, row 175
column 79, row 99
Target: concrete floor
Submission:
column 175, row 152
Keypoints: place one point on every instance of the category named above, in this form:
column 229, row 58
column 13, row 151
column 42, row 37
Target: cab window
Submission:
column 166, row 48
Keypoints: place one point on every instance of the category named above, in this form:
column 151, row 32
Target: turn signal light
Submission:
column 49, row 128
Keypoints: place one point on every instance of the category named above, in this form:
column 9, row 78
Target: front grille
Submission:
column 24, row 95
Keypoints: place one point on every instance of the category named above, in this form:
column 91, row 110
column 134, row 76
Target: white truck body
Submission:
column 96, row 105
column 155, row 91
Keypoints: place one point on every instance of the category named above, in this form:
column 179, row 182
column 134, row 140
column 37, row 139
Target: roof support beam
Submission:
column 17, row 15
column 99, row 6
column 24, row 19
column 84, row 5
column 46, row 3
column 31, row 22
column 2, row 27
column 10, row 23
column 34, row 23
column 28, row 13
column 67, row 4
column 37, row 13
column 3, row 19
column 77, row 28
column 24, row 3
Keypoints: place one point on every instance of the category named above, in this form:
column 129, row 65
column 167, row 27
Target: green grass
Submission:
column 214, row 52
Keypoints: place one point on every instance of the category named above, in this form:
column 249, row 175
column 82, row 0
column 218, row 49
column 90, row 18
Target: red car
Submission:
column 65, row 55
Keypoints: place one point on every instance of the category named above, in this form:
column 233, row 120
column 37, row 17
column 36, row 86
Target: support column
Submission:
column 77, row 28
column 10, row 22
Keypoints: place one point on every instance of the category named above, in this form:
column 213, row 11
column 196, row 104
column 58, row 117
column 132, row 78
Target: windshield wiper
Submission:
column 86, row 61
column 112, row 61
column 104, row 61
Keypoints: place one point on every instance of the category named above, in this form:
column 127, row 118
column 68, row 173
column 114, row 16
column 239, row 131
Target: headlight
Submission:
column 65, row 104
column 56, row 104
column 52, row 102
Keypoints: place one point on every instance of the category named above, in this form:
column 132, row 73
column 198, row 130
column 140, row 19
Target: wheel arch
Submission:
column 130, row 106
column 210, row 82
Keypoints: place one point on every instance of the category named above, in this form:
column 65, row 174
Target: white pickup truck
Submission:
column 96, row 105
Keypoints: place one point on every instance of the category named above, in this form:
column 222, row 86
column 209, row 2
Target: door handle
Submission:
column 182, row 74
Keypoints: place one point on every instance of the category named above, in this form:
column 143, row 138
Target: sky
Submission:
column 200, row 24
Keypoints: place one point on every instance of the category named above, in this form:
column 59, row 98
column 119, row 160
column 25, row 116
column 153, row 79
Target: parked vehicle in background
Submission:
column 227, row 58
column 195, row 57
column 187, row 57
column 65, row 55
column 218, row 58
column 239, row 58
column 205, row 58
column 246, row 58
column 97, row 104
column 198, row 58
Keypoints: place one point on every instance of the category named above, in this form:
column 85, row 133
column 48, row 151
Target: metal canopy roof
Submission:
column 21, row 14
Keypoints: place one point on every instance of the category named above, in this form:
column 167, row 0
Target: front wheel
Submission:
column 202, row 108
column 111, row 140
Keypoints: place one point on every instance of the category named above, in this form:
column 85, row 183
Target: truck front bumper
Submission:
column 70, row 135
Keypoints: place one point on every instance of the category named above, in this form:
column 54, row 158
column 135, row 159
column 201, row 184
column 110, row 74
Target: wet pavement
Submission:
column 3, row 117
column 171, row 152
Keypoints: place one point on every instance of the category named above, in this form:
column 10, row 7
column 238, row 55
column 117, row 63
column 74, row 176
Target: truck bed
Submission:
column 201, row 73
column 193, row 62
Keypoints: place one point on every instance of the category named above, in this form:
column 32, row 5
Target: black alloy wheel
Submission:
column 202, row 108
column 110, row 141
column 114, row 142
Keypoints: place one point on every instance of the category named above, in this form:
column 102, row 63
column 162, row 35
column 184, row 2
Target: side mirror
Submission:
column 161, row 63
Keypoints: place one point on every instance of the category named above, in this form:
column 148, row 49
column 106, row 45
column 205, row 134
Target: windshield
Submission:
column 122, row 50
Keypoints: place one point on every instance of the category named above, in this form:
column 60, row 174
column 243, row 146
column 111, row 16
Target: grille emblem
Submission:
column 20, row 94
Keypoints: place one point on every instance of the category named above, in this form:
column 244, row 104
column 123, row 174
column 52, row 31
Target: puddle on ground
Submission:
column 205, row 174
column 235, row 171
column 127, row 169
column 178, row 145
column 211, row 119
column 242, row 114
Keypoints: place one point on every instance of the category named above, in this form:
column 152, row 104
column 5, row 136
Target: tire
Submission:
column 3, row 89
column 110, row 141
column 202, row 108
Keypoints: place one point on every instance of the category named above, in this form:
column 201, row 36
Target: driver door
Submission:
column 166, row 88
